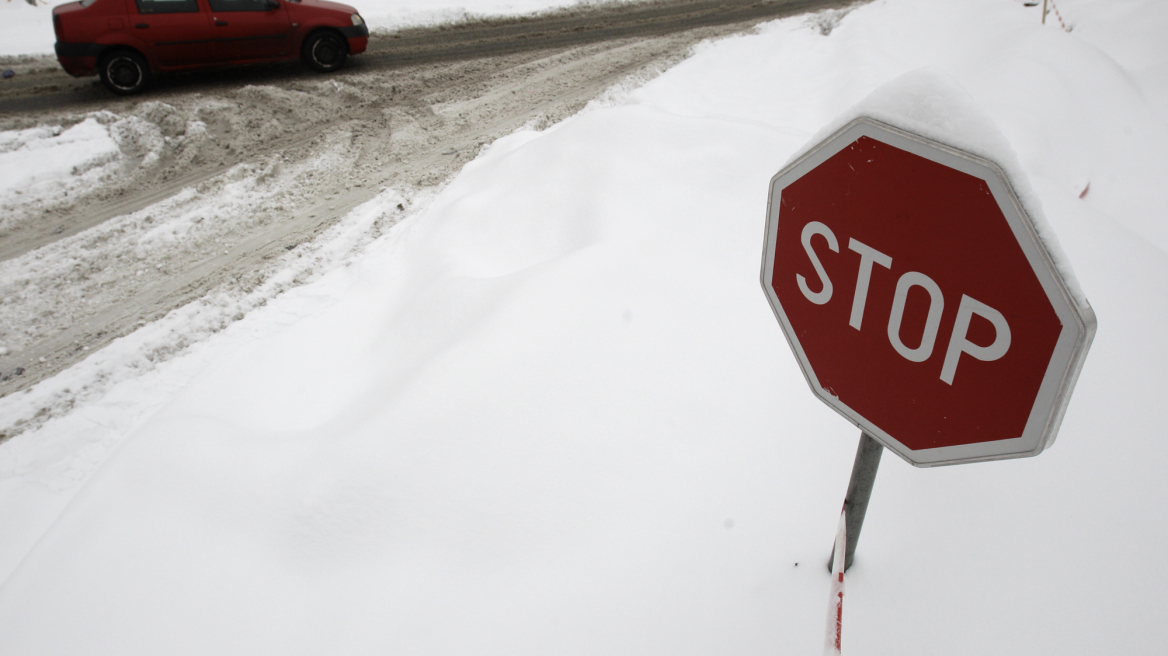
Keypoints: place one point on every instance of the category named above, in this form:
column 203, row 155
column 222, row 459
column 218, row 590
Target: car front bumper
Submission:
column 358, row 38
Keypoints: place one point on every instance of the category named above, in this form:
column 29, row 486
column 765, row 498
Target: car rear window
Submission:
column 239, row 5
column 167, row 6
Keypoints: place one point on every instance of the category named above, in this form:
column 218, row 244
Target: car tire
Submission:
column 324, row 51
column 124, row 72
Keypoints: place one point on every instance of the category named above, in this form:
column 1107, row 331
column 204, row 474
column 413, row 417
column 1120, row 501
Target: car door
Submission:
column 174, row 32
column 250, row 29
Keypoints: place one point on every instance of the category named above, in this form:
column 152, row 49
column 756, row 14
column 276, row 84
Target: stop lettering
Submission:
column 911, row 288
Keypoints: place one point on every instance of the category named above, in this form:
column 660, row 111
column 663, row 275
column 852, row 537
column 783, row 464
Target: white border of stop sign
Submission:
column 1078, row 319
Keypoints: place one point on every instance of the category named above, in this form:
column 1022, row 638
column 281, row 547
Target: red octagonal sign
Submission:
column 918, row 299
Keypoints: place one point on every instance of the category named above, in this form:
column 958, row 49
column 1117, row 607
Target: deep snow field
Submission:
column 550, row 411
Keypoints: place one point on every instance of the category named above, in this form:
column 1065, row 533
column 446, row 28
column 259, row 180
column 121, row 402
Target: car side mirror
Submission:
column 271, row 4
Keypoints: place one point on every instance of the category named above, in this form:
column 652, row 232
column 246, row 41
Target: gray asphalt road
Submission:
column 46, row 87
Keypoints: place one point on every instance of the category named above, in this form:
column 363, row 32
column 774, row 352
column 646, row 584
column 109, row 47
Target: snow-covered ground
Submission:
column 550, row 410
column 28, row 29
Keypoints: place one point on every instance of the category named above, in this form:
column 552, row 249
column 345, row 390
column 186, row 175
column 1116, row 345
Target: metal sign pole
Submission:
column 859, row 492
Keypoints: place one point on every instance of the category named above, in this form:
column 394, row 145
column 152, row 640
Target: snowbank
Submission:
column 50, row 156
column 26, row 29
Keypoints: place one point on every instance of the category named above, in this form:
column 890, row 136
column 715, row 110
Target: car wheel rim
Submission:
column 326, row 52
column 124, row 73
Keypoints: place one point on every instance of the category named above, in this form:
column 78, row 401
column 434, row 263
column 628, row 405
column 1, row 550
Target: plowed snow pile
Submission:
column 550, row 411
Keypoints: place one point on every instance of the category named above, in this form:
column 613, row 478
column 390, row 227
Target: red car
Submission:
column 127, row 41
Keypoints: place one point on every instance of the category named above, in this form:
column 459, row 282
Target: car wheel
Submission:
column 325, row 51
column 124, row 72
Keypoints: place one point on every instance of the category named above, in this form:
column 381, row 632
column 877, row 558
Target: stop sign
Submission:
column 918, row 298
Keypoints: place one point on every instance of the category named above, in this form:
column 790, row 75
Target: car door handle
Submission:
column 142, row 25
column 220, row 23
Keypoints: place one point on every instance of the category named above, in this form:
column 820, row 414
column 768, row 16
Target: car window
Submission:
column 239, row 5
column 167, row 6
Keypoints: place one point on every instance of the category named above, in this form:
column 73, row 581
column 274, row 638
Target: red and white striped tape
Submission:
column 835, row 606
column 1059, row 16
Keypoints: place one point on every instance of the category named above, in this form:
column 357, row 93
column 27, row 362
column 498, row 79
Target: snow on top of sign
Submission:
column 926, row 103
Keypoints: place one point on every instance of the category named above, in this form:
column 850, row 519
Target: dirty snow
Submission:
column 52, row 160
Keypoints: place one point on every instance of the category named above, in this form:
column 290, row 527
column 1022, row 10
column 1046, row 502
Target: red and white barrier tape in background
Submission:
column 835, row 606
column 1056, row 15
